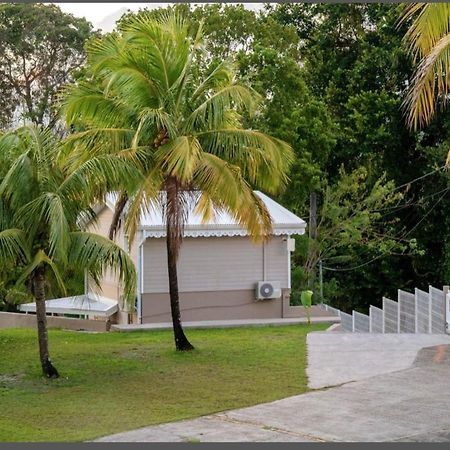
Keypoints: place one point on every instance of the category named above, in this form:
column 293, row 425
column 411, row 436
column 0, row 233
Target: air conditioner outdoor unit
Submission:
column 267, row 290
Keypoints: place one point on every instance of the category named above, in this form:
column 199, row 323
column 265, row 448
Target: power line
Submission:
column 404, row 205
column 410, row 203
column 331, row 269
column 419, row 178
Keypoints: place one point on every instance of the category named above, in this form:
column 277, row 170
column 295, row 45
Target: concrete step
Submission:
column 225, row 323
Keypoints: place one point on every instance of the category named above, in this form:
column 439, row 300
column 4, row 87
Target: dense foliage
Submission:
column 355, row 62
column 333, row 78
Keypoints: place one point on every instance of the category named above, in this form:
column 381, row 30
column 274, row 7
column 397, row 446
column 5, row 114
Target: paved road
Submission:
column 408, row 404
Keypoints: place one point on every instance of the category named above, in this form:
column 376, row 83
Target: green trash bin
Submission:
column 306, row 299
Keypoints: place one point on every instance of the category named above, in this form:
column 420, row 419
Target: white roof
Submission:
column 223, row 224
column 90, row 305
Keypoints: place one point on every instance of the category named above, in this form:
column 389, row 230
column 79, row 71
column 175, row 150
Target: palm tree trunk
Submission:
column 172, row 240
column 48, row 369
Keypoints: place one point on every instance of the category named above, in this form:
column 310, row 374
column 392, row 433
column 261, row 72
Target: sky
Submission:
column 104, row 15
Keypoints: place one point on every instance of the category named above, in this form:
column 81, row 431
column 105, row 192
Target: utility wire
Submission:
column 404, row 205
column 419, row 178
column 387, row 251
column 407, row 204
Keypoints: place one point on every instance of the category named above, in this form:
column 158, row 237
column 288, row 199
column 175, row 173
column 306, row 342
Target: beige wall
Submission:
column 217, row 276
column 217, row 305
column 110, row 286
column 216, row 264
column 17, row 320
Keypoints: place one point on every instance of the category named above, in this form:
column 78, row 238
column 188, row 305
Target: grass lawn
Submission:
column 112, row 382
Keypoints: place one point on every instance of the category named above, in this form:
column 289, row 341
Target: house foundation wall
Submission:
column 214, row 305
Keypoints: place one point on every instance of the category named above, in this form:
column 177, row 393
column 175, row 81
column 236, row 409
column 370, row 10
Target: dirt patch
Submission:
column 9, row 381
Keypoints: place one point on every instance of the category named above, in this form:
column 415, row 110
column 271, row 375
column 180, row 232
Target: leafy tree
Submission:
column 321, row 94
column 152, row 98
column 341, row 45
column 350, row 220
column 42, row 202
column 40, row 47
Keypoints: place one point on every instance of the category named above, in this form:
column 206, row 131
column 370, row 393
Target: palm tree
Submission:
column 428, row 41
column 152, row 98
column 42, row 204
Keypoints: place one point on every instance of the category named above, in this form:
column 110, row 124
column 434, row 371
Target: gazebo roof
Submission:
column 89, row 305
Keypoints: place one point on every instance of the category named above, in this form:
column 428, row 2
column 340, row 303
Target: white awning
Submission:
column 83, row 305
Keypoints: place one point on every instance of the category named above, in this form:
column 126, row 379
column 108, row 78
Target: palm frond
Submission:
column 109, row 172
column 156, row 119
column 96, row 254
column 13, row 246
column 9, row 146
column 179, row 157
column 49, row 211
column 130, row 80
column 31, row 159
column 211, row 113
column 430, row 84
column 264, row 160
column 97, row 142
column 86, row 102
column 16, row 184
column 103, row 51
column 164, row 42
column 221, row 75
column 41, row 259
column 223, row 186
column 430, row 24
column 140, row 203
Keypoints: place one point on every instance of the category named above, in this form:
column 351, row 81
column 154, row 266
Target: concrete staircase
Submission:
column 421, row 312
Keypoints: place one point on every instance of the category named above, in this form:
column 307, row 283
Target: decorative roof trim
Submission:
column 218, row 231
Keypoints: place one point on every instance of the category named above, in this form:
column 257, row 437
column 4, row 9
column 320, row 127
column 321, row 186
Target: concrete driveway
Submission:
column 400, row 394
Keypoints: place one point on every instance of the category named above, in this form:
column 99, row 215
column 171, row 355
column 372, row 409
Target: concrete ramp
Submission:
column 337, row 358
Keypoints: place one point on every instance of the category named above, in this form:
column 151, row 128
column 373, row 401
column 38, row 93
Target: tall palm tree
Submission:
column 151, row 98
column 428, row 41
column 42, row 204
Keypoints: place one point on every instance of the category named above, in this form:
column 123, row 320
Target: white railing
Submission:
column 376, row 320
column 361, row 323
column 447, row 313
column 421, row 312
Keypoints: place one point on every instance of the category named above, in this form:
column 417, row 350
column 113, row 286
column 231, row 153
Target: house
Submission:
column 222, row 273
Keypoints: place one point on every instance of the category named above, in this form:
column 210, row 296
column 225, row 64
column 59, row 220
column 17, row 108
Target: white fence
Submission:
column 447, row 312
column 437, row 310
column 346, row 321
column 332, row 310
column 376, row 319
column 361, row 322
column 407, row 312
column 421, row 312
column 390, row 309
